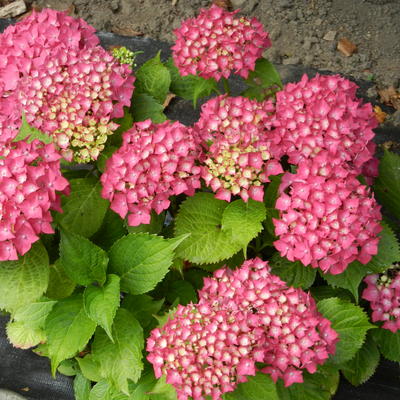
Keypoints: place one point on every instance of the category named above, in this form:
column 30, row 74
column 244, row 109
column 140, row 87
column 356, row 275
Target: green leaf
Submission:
column 84, row 208
column 319, row 386
column 104, row 156
column 142, row 307
column 121, row 360
column 145, row 106
column 141, row 389
column 218, row 229
column 82, row 387
column 29, row 133
column 387, row 185
column 183, row 291
column 350, row 322
column 90, row 369
column 293, row 273
column 263, row 82
column 325, row 292
column 101, row 391
column 257, row 387
column 67, row 367
column 24, row 336
column 154, row 227
column 25, row 280
column 163, row 391
column 142, row 260
column 60, row 285
column 35, row 313
column 153, row 78
column 388, row 342
column 349, row 279
column 68, row 330
column 360, row 368
column 101, row 303
column 82, row 260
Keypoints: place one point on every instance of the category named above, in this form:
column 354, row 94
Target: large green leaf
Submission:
column 143, row 307
column 387, row 185
column 101, row 303
column 25, row 280
column 163, row 390
column 101, row 391
column 350, row 322
column 145, row 106
column 84, row 208
column 29, row 133
column 82, row 260
column 293, row 273
column 60, row 285
column 388, row 342
column 121, row 360
column 142, row 260
column 257, row 387
column 82, row 387
column 90, row 368
column 363, row 365
column 24, row 336
column 217, row 229
column 68, row 330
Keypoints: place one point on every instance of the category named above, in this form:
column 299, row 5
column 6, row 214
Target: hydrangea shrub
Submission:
column 244, row 256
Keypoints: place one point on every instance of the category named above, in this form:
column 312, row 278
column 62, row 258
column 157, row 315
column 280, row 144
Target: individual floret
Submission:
column 217, row 43
column 153, row 163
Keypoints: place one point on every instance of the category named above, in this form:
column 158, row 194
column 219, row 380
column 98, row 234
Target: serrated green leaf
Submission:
column 29, row 133
column 90, row 369
column 101, row 303
column 183, row 291
column 154, row 227
column 387, row 184
column 121, row 360
column 60, row 285
column 142, row 260
column 293, row 273
column 257, row 387
column 363, row 365
column 162, row 391
column 34, row 313
column 82, row 387
column 325, row 292
column 153, row 78
column 82, row 260
column 101, row 391
column 68, row 330
column 84, row 208
column 349, row 279
column 141, row 389
column 388, row 343
column 24, row 336
column 25, row 280
column 143, row 307
column 218, row 229
column 144, row 107
column 350, row 322
column 67, row 367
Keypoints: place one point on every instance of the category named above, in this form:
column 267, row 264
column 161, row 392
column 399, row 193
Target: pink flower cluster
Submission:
column 243, row 316
column 216, row 43
column 323, row 113
column 383, row 293
column 153, row 163
column 234, row 133
column 52, row 69
column 327, row 218
column 30, row 184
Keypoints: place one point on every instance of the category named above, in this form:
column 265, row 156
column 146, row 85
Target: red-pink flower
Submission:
column 217, row 43
column 383, row 293
column 323, row 113
column 30, row 185
column 327, row 218
column 153, row 163
column 234, row 132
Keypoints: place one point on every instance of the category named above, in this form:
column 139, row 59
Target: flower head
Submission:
column 383, row 293
column 217, row 42
column 30, row 184
column 153, row 163
column 234, row 132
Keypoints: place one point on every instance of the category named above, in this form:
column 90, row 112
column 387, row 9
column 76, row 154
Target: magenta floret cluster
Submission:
column 217, row 42
column 236, row 157
column 155, row 161
column 243, row 316
column 30, row 185
column 54, row 71
column 383, row 293
column 328, row 218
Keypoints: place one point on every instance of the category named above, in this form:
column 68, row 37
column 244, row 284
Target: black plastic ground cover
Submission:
column 29, row 375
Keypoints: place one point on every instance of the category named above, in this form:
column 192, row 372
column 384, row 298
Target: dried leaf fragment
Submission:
column 125, row 30
column 391, row 97
column 168, row 99
column 346, row 47
column 225, row 4
column 379, row 114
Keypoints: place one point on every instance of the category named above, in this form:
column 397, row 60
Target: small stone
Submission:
column 291, row 61
column 237, row 3
column 346, row 47
column 307, row 44
column 330, row 35
column 114, row 5
column 318, row 22
column 372, row 93
column 284, row 4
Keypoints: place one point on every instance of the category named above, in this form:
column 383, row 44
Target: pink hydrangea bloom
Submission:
column 383, row 293
column 217, row 42
column 243, row 317
column 327, row 218
column 153, row 163
column 30, row 184
column 323, row 113
column 234, row 132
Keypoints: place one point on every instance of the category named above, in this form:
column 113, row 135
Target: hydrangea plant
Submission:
column 243, row 257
